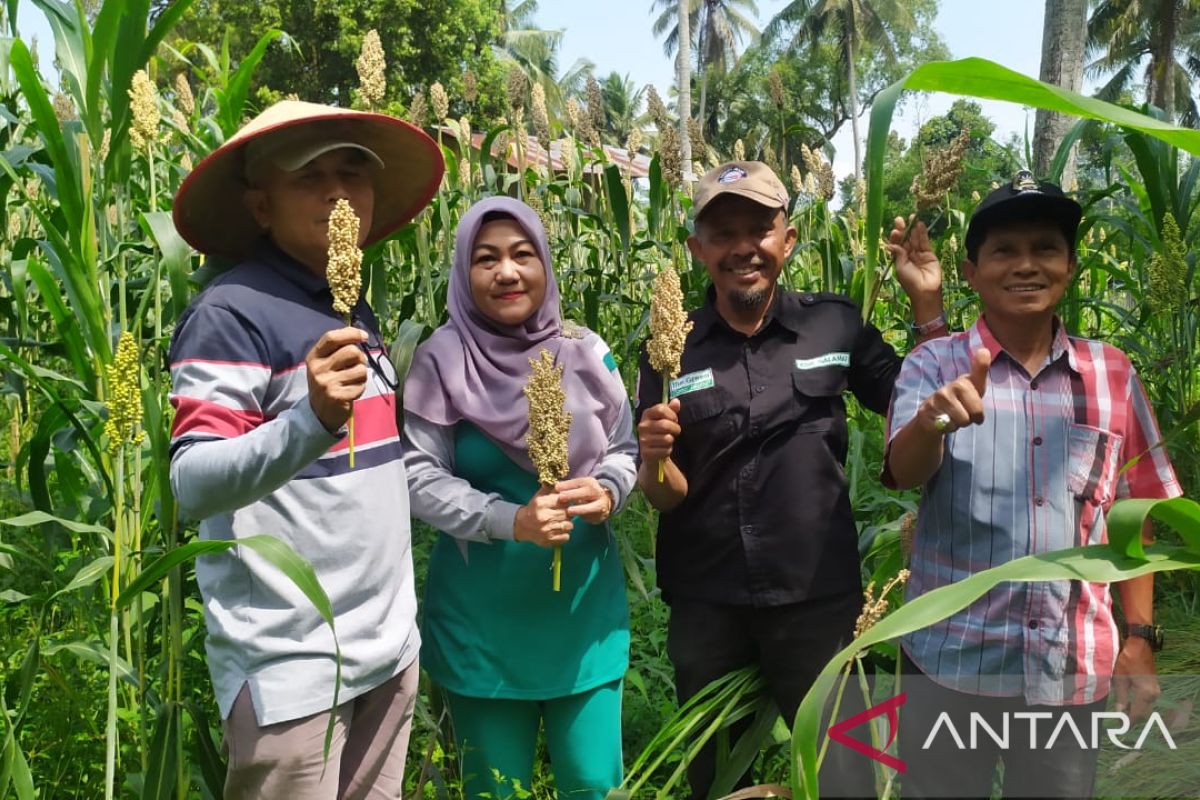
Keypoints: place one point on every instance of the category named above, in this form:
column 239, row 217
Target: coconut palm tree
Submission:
column 1064, row 35
column 854, row 25
column 1163, row 36
column 535, row 51
column 718, row 28
column 622, row 105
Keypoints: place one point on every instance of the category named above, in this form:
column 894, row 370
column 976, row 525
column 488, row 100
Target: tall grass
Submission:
column 111, row 697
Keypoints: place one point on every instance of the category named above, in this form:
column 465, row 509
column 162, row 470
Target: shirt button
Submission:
column 1033, row 623
column 1033, row 384
column 1039, row 502
column 1037, row 441
column 760, row 388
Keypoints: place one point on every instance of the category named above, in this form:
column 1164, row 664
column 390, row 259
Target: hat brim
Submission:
column 209, row 211
column 1061, row 209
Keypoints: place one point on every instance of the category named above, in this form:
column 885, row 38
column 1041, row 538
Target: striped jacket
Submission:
column 250, row 457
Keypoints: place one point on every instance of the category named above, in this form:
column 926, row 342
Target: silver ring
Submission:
column 941, row 423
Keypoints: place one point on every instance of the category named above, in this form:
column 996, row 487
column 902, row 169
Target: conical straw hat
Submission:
column 209, row 212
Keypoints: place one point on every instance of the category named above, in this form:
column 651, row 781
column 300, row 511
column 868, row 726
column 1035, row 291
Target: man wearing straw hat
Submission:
column 264, row 376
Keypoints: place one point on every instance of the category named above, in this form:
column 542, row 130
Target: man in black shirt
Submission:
column 757, row 547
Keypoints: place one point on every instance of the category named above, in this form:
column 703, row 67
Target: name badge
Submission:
column 827, row 360
column 692, row 382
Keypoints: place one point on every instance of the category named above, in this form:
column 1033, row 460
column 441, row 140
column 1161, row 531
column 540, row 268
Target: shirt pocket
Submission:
column 1092, row 455
column 817, row 391
column 702, row 407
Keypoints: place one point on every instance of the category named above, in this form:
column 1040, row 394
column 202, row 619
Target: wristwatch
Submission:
column 1151, row 633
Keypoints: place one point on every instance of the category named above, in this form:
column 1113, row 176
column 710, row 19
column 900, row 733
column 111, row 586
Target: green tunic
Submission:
column 494, row 627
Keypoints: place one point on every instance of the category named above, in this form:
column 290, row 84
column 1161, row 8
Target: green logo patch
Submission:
column 692, row 382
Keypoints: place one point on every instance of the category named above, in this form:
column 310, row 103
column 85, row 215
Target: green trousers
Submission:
column 497, row 741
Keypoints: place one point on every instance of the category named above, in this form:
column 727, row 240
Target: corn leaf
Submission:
column 51, row 133
column 1123, row 558
column 71, row 41
column 232, row 100
column 87, row 575
column 176, row 256
column 159, row 783
column 41, row 517
column 95, row 653
column 618, row 201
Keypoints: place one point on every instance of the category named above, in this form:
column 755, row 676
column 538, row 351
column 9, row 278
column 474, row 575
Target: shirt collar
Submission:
column 707, row 315
column 982, row 336
column 291, row 269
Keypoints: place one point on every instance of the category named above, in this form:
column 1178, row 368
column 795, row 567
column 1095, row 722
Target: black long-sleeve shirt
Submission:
column 767, row 518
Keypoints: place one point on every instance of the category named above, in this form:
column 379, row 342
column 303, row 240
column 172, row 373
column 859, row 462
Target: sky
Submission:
column 619, row 39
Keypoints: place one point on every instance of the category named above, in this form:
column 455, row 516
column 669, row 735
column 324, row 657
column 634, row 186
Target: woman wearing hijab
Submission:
column 511, row 653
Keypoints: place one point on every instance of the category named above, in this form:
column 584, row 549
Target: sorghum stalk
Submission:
column 549, row 425
column 122, row 428
column 669, row 327
column 344, row 272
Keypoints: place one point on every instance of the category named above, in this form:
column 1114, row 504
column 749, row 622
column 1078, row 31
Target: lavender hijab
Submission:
column 474, row 369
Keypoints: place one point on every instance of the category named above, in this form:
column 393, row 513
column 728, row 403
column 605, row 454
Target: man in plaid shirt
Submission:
column 1018, row 433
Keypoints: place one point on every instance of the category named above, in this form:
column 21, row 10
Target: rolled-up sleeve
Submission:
column 920, row 376
column 1151, row 475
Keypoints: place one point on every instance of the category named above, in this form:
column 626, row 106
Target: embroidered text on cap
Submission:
column 732, row 175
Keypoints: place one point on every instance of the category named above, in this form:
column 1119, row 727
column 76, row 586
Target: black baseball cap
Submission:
column 1026, row 198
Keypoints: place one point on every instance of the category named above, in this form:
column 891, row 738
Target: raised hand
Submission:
column 917, row 265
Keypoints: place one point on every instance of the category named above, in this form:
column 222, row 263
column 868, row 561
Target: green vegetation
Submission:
column 88, row 253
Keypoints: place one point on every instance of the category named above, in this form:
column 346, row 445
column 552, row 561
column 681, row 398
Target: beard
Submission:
column 750, row 299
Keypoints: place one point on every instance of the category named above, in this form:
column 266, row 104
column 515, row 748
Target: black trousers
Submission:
column 790, row 644
column 946, row 770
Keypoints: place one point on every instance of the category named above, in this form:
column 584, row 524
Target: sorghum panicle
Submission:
column 183, row 95
column 371, row 66
column 470, row 86
column 418, row 109
column 939, row 172
column 440, row 102
column 541, row 117
column 549, row 423
column 669, row 325
column 515, row 86
column 143, row 103
column 1167, row 270
column 124, row 391
column 344, row 270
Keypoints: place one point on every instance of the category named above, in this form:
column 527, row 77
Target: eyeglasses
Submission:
column 377, row 355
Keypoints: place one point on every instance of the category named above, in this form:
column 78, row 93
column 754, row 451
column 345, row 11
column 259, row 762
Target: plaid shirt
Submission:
column 1037, row 476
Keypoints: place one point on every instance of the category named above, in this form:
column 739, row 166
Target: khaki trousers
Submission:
column 285, row 761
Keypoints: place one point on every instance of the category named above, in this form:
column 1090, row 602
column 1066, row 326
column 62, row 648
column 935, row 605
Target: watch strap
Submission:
column 1151, row 633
